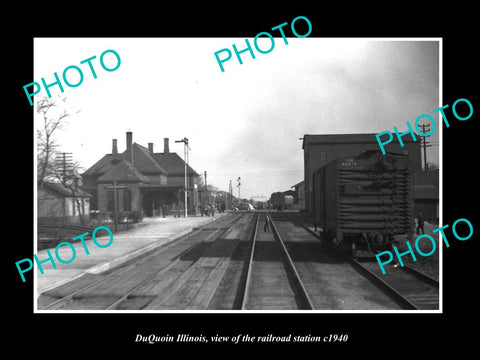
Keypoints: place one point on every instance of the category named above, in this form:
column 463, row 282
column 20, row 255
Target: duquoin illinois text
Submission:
column 152, row 338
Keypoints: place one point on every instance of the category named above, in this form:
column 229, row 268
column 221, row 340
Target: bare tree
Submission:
column 71, row 180
column 53, row 112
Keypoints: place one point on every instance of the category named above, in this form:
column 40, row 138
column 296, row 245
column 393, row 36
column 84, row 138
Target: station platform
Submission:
column 128, row 244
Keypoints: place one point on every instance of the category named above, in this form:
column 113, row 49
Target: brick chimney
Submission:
column 114, row 147
column 150, row 147
column 166, row 148
column 130, row 146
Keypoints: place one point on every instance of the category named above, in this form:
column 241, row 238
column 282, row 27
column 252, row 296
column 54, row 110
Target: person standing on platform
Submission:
column 420, row 223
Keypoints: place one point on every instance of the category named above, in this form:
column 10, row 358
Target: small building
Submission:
column 299, row 199
column 61, row 204
column 427, row 195
column 141, row 181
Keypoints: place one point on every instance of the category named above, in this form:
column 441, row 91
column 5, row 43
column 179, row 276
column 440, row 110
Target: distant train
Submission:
column 245, row 206
column 282, row 200
column 364, row 202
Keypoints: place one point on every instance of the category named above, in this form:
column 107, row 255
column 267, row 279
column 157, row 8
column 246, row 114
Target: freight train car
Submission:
column 282, row 200
column 277, row 199
column 364, row 202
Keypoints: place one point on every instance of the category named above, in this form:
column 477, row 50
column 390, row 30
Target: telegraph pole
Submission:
column 185, row 157
column 229, row 196
column 115, row 201
column 64, row 161
column 206, row 191
column 187, row 180
column 238, row 185
column 424, row 144
column 114, row 162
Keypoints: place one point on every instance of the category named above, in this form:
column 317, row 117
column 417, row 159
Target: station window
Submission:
column 127, row 200
column 110, row 201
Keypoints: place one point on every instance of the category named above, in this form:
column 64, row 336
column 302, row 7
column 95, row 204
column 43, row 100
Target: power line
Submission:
column 425, row 144
column 64, row 161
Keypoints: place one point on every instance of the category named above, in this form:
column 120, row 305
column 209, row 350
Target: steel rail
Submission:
column 69, row 297
column 421, row 276
column 379, row 282
column 176, row 260
column 291, row 264
column 246, row 287
column 142, row 258
column 144, row 282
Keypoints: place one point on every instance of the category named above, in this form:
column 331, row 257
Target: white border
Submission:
column 439, row 311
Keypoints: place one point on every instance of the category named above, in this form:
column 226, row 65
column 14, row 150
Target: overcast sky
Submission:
column 245, row 122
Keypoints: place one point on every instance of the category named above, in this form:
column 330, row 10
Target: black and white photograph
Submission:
column 259, row 187
column 287, row 178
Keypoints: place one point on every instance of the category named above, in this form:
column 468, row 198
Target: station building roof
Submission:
column 144, row 162
column 63, row 190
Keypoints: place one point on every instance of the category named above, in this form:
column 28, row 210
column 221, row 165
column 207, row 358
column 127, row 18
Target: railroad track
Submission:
column 236, row 265
column 406, row 286
column 121, row 287
column 418, row 290
column 272, row 281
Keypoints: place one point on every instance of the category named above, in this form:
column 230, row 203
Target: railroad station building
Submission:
column 318, row 150
column 147, row 183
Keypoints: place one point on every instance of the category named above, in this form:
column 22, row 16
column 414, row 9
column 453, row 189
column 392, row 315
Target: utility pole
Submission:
column 115, row 201
column 187, row 181
column 185, row 157
column 238, row 186
column 206, row 191
column 424, row 144
column 229, row 195
column 114, row 162
column 64, row 162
